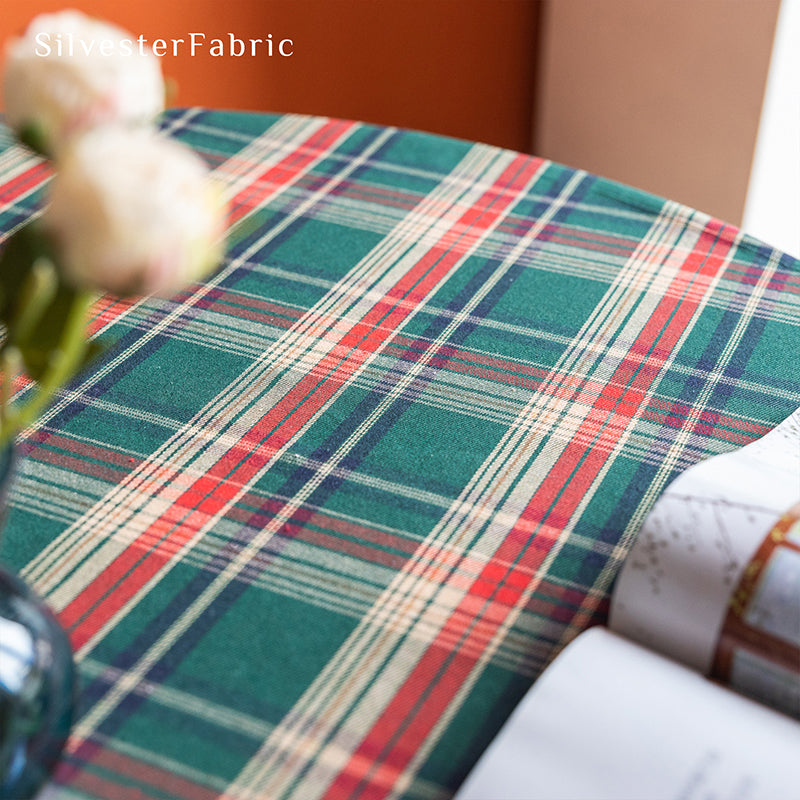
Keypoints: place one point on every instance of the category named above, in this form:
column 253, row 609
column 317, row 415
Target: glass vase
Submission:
column 37, row 679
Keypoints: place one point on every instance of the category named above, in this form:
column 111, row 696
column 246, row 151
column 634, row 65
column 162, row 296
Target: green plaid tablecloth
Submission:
column 316, row 525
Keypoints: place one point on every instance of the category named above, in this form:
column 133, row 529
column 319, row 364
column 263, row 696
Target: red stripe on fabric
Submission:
column 79, row 466
column 384, row 196
column 115, row 572
column 594, row 241
column 108, row 309
column 120, row 771
column 428, row 690
column 263, row 312
column 25, row 182
column 579, row 463
column 406, row 721
column 282, row 172
column 105, row 312
column 513, row 373
column 96, row 786
column 131, row 570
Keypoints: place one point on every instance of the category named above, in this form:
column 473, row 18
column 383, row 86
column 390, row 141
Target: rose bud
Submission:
column 70, row 72
column 132, row 212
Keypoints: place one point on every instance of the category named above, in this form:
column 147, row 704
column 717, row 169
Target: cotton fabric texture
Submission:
column 316, row 524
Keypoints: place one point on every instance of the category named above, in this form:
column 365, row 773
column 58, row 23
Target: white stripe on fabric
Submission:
column 485, row 160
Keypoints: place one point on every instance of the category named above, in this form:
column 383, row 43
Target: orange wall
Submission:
column 661, row 94
column 459, row 67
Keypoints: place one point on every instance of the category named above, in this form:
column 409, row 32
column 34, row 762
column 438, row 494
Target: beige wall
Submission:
column 660, row 94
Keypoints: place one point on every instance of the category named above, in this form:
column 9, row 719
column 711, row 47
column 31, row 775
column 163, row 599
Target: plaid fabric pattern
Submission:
column 316, row 525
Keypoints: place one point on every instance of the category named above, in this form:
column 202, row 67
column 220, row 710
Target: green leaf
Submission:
column 37, row 304
column 32, row 135
column 45, row 319
column 20, row 252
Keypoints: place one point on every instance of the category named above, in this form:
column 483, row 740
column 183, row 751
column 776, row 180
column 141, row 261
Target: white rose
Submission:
column 69, row 72
column 132, row 212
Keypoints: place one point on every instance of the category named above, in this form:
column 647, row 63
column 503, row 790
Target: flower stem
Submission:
column 38, row 290
column 63, row 362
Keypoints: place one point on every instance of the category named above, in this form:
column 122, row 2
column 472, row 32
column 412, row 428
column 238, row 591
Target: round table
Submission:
column 315, row 525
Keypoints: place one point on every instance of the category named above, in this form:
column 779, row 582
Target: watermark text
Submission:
column 193, row 44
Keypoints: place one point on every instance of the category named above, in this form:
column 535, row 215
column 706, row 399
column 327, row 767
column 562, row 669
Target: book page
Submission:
column 674, row 590
column 758, row 649
column 610, row 720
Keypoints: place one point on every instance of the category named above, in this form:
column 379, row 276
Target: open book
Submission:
column 693, row 690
